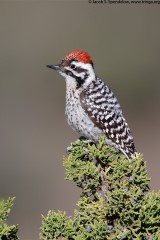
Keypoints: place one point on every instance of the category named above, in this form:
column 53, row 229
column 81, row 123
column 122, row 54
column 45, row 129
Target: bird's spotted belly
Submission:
column 79, row 121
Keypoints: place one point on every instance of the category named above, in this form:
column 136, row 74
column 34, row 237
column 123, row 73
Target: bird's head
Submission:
column 77, row 69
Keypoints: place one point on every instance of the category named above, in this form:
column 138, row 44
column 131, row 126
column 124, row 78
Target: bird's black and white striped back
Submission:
column 99, row 102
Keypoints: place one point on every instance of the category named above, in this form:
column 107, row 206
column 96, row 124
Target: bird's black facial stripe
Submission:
column 80, row 70
column 69, row 73
column 78, row 79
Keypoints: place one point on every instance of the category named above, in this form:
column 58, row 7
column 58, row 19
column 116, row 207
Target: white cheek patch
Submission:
column 81, row 75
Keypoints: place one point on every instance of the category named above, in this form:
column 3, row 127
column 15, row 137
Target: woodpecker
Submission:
column 91, row 107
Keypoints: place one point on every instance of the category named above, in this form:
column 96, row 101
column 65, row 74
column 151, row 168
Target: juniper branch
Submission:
column 115, row 201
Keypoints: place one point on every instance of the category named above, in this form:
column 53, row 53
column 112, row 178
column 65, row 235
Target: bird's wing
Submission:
column 105, row 112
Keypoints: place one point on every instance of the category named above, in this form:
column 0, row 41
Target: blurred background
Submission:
column 124, row 42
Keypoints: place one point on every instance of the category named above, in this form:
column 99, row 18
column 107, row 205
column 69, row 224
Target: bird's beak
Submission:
column 55, row 66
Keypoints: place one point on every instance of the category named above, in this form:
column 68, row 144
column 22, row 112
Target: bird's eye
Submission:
column 73, row 66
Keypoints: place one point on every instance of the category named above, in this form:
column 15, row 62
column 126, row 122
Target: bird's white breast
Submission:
column 78, row 119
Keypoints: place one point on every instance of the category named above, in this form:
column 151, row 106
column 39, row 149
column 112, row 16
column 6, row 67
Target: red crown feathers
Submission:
column 80, row 56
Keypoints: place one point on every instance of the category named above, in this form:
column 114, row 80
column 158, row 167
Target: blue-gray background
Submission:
column 124, row 41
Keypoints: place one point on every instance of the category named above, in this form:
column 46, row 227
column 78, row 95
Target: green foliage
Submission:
column 7, row 232
column 115, row 202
